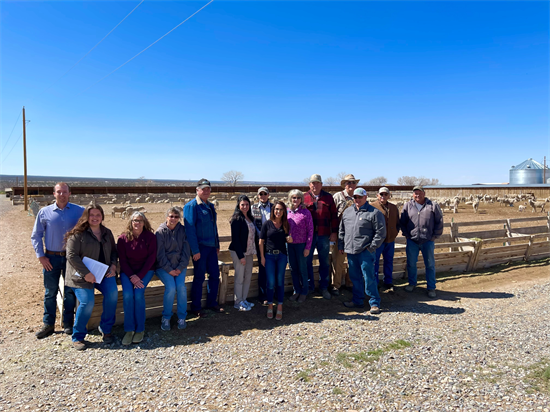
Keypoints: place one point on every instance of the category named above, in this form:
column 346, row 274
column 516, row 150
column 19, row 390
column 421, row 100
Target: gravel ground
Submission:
column 475, row 352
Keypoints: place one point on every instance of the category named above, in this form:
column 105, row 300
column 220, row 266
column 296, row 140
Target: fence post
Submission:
column 475, row 256
column 528, row 251
column 222, row 293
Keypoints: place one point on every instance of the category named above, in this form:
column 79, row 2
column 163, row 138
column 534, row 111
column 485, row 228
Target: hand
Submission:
column 289, row 239
column 136, row 281
column 218, row 251
column 45, row 263
column 196, row 256
column 306, row 252
column 173, row 273
column 333, row 237
column 243, row 261
column 111, row 271
column 341, row 252
column 263, row 261
column 90, row 278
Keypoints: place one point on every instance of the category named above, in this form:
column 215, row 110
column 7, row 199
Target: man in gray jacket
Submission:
column 421, row 222
column 362, row 230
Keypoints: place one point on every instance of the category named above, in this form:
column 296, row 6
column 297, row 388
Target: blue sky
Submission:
column 277, row 90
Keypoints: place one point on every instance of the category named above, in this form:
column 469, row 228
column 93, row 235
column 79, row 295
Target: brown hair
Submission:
column 62, row 184
column 82, row 225
column 146, row 225
column 284, row 218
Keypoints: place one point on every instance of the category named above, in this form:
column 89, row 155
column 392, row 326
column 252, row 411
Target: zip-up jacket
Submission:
column 391, row 214
column 361, row 229
column 201, row 224
column 324, row 214
column 172, row 248
column 424, row 225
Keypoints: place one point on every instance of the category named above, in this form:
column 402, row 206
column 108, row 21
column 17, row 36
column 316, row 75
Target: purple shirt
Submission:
column 301, row 226
column 138, row 256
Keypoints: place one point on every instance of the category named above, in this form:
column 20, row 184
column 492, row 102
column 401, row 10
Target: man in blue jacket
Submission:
column 362, row 230
column 421, row 223
column 202, row 234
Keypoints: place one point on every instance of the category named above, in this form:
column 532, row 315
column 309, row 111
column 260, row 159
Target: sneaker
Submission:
column 335, row 292
column 432, row 294
column 351, row 304
column 409, row 288
column 138, row 337
column 374, row 310
column 243, row 307
column 127, row 339
column 46, row 330
column 79, row 345
column 294, row 297
column 182, row 324
column 302, row 298
column 326, row 294
column 249, row 304
column 107, row 337
column 165, row 324
column 68, row 329
column 237, row 306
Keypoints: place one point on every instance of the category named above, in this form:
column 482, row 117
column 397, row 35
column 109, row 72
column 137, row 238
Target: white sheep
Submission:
column 521, row 208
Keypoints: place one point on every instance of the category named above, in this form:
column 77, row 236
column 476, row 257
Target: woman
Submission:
column 273, row 238
column 172, row 259
column 242, row 249
column 89, row 238
column 137, row 251
column 301, row 230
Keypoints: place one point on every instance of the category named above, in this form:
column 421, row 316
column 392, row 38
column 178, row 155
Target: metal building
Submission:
column 527, row 173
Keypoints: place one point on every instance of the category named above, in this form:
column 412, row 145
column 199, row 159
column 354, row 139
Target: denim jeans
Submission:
column 208, row 263
column 322, row 244
column 386, row 250
column 173, row 285
column 361, row 273
column 275, row 267
column 262, row 279
column 298, row 267
column 427, row 250
column 86, row 302
column 133, row 302
column 51, row 286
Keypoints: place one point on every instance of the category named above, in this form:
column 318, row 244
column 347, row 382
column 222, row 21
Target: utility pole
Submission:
column 25, row 160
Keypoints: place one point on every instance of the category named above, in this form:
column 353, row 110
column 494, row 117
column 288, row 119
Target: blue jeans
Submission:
column 427, row 250
column 208, row 263
column 262, row 279
column 322, row 243
column 51, row 286
column 361, row 273
column 298, row 267
column 387, row 250
column 133, row 302
column 275, row 267
column 173, row 285
column 86, row 302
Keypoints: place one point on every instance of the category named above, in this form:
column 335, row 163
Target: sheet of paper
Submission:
column 97, row 269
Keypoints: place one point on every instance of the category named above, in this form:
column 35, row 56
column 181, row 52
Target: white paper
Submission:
column 96, row 268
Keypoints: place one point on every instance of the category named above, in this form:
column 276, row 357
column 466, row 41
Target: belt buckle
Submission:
column 276, row 252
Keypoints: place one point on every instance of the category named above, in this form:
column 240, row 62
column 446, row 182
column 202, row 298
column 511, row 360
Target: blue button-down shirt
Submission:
column 51, row 224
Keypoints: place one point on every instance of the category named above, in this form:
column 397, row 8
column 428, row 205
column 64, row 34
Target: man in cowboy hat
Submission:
column 343, row 200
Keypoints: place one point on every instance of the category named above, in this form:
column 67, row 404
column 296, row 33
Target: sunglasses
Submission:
column 137, row 221
column 173, row 217
column 294, row 198
column 263, row 194
column 357, row 197
column 384, row 194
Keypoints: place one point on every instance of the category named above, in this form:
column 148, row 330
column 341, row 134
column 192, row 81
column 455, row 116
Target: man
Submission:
column 343, row 200
column 325, row 230
column 261, row 212
column 362, row 230
column 421, row 223
column 387, row 248
column 51, row 225
column 202, row 234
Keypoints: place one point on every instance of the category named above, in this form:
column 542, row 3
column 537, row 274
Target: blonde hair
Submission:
column 298, row 193
column 129, row 229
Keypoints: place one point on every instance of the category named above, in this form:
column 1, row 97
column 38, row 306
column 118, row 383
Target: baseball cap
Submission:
column 359, row 192
column 203, row 183
column 263, row 189
column 384, row 190
column 418, row 187
column 315, row 178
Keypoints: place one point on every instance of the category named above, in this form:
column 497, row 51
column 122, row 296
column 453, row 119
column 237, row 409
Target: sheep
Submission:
column 118, row 209
column 475, row 205
column 536, row 205
column 521, row 208
column 215, row 202
column 456, row 201
column 233, row 198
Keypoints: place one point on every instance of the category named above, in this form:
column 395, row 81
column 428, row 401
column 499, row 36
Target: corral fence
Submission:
column 463, row 250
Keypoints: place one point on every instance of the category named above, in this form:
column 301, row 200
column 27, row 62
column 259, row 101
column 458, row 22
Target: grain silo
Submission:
column 529, row 172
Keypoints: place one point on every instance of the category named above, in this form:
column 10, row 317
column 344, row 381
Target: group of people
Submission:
column 277, row 234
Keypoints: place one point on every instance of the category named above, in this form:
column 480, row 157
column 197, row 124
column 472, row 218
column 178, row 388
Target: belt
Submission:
column 49, row 252
column 273, row 252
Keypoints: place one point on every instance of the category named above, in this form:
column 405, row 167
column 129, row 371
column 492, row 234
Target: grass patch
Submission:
column 337, row 391
column 399, row 344
column 362, row 358
column 303, row 376
column 539, row 376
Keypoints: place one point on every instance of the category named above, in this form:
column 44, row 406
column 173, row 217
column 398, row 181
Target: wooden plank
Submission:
column 513, row 250
column 528, row 219
column 482, row 223
column 451, row 244
column 531, row 230
column 486, row 234
column 474, row 256
column 502, row 240
column 440, row 256
column 59, row 298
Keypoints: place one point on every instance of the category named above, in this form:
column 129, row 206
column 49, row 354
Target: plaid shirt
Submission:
column 325, row 215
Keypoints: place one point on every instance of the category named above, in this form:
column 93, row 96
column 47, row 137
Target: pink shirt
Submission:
column 301, row 226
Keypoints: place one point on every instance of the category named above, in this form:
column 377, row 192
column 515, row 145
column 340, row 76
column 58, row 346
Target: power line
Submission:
column 152, row 44
column 15, row 144
column 89, row 51
column 11, row 131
